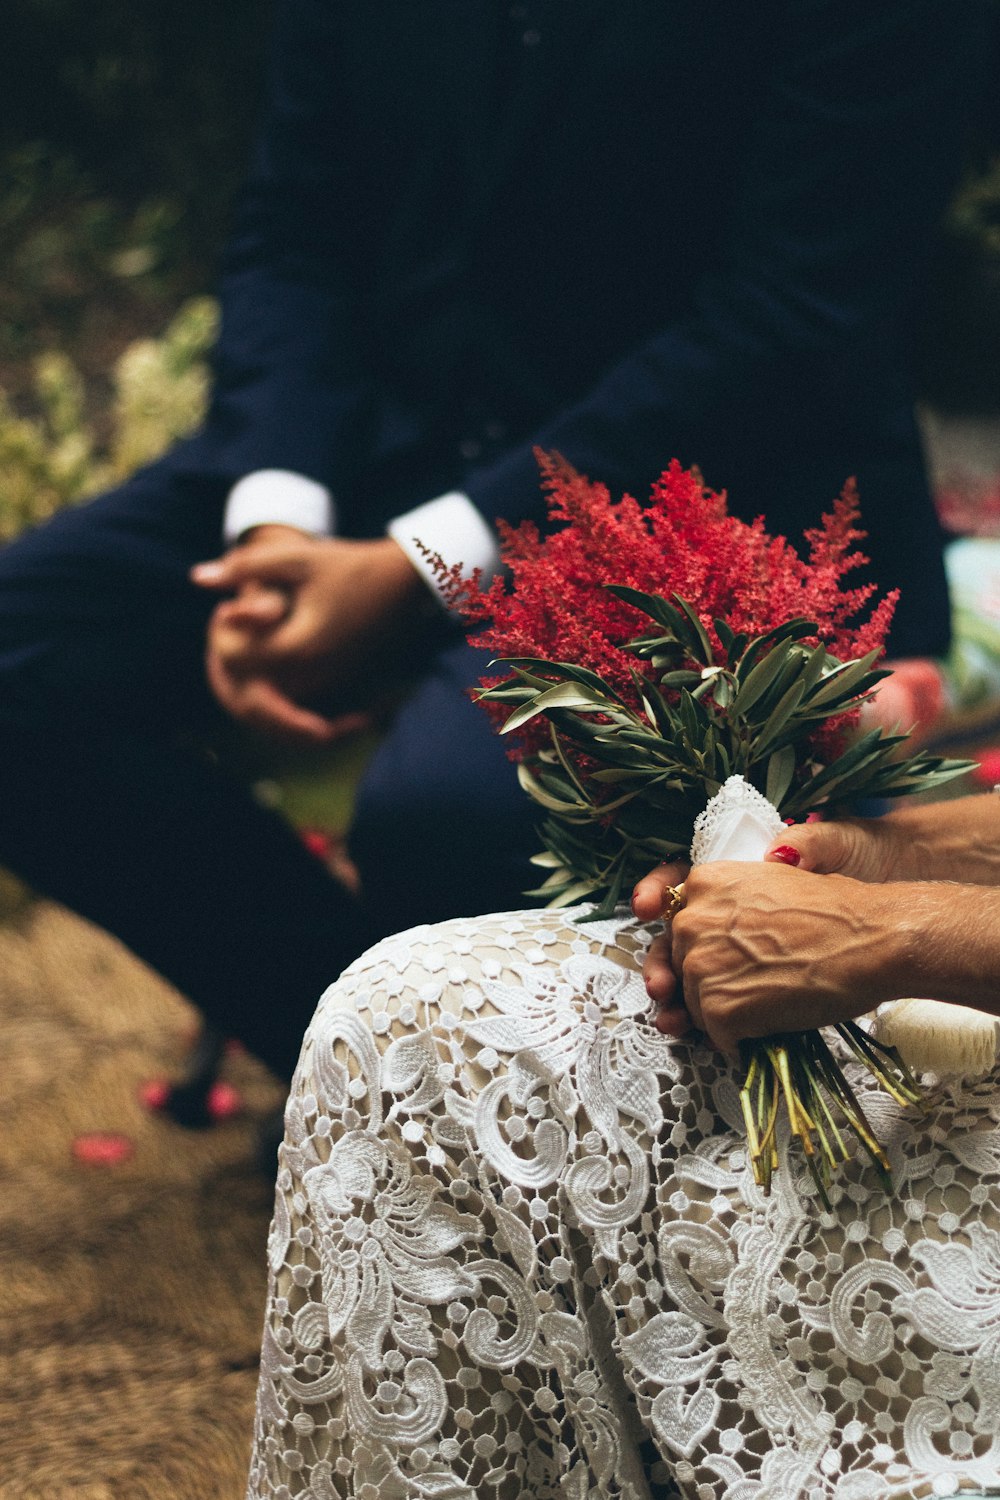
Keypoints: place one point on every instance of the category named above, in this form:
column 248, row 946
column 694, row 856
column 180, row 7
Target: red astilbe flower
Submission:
column 683, row 541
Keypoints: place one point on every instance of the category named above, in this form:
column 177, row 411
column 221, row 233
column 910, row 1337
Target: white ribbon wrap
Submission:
column 930, row 1035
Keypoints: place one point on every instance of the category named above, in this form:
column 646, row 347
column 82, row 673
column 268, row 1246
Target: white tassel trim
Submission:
column 934, row 1037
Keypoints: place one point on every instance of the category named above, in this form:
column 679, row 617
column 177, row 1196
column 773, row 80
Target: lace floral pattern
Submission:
column 517, row 1251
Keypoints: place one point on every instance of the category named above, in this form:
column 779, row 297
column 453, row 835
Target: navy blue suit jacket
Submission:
column 623, row 229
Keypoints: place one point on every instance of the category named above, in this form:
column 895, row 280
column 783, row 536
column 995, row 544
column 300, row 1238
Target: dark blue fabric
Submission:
column 116, row 802
column 663, row 229
column 627, row 230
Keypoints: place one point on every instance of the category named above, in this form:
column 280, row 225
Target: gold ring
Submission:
column 676, row 894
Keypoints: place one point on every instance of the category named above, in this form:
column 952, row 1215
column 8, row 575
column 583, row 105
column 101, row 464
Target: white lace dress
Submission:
column 517, row 1251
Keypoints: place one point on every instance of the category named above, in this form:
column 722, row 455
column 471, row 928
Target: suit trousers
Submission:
column 113, row 805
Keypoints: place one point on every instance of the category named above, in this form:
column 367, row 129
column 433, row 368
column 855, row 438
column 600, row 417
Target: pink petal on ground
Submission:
column 223, row 1101
column 154, row 1093
column 317, row 842
column 101, row 1149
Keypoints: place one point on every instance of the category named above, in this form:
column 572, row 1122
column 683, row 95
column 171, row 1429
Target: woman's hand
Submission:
column 869, row 849
column 739, row 962
column 762, row 948
column 865, row 849
column 651, row 898
column 759, row 948
column 777, row 965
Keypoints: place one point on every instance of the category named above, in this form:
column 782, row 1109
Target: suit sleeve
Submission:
column 288, row 384
column 855, row 145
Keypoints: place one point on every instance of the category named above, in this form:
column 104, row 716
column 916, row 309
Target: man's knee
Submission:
column 96, row 612
column 437, row 845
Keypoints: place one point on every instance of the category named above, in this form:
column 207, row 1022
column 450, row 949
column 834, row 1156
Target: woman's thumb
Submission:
column 821, row 847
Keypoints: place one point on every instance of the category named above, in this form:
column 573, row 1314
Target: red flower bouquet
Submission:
column 651, row 653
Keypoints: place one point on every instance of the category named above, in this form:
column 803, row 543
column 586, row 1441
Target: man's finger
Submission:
column 344, row 725
column 243, row 652
column 246, row 565
column 217, row 574
column 267, row 708
column 257, row 702
column 255, row 608
column 223, row 684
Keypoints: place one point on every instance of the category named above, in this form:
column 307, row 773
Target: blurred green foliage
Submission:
column 59, row 455
column 82, row 267
column 149, row 96
column 123, row 132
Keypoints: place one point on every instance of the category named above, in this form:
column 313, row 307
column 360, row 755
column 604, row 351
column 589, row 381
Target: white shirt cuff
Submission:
column 452, row 528
column 280, row 498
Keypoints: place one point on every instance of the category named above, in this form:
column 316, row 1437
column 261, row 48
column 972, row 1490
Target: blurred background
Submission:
column 134, row 1280
column 130, row 1314
column 123, row 130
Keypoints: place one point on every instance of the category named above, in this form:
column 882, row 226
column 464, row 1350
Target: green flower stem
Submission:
column 800, row 1071
column 748, row 1120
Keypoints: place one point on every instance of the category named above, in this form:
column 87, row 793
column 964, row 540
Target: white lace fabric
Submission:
column 517, row 1251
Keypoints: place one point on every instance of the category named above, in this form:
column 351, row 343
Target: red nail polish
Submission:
column 787, row 854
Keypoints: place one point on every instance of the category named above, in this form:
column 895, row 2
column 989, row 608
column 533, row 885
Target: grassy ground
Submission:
column 132, row 1295
column 86, row 273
